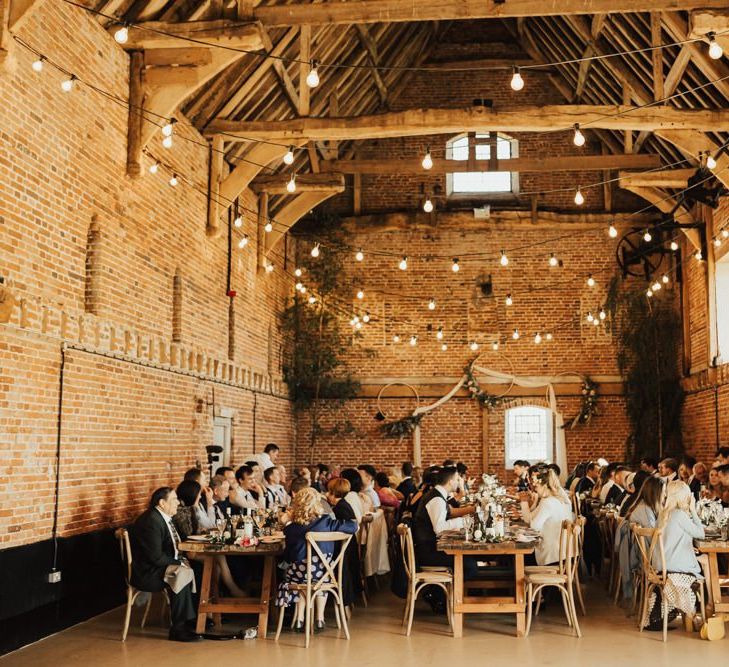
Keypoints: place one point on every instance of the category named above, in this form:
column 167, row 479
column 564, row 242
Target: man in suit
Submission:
column 407, row 486
column 221, row 497
column 154, row 542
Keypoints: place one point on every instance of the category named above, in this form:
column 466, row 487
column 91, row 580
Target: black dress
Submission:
column 351, row 580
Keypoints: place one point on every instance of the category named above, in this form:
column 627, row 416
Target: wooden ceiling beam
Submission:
column 289, row 214
column 669, row 178
column 13, row 14
column 160, row 35
column 275, row 184
column 370, row 47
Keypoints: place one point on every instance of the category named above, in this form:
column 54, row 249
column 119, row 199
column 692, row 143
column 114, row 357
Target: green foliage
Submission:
column 648, row 334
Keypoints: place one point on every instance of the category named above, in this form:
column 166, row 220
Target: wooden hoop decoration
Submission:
column 393, row 384
column 511, row 372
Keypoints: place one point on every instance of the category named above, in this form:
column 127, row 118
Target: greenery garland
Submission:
column 588, row 408
column 403, row 426
column 488, row 401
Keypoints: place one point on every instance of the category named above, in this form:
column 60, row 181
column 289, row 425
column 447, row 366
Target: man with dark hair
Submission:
column 587, row 483
column 267, row 459
column 297, row 484
column 322, row 477
column 275, row 494
column 608, row 480
column 154, row 541
column 723, row 472
column 722, row 455
column 521, row 472
column 221, row 497
column 367, row 473
column 649, row 464
column 617, row 491
column 407, row 486
column 668, row 469
column 247, row 487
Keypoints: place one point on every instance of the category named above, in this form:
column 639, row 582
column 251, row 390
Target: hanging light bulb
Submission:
column 649, row 293
column 315, row 251
column 517, row 82
column 298, row 287
column 359, row 256
column 360, row 294
column 167, row 142
column 396, row 339
column 725, row 233
column 444, row 347
column 268, row 227
column 38, row 64
column 243, row 242
column 291, row 185
column 579, row 138
column 303, row 289
column 509, row 301
column 715, row 50
column 473, row 346
column 590, row 281
column 403, row 263
column 431, row 304
column 173, row 180
column 717, row 242
column 154, row 168
column 122, row 35
column 553, row 261
column 538, row 338
column 413, row 340
column 455, row 267
column 355, row 319
column 504, row 259
column 67, row 84
column 596, row 322
column 656, row 286
column 549, row 336
column 366, row 318
column 312, row 299
column 428, row 205
column 439, row 333
column 698, row 255
column 516, row 334
column 495, row 345
column 298, row 272
column 647, row 236
column 579, row 197
column 710, row 161
column 612, row 232
column 590, row 317
column 602, row 314
column 674, row 246
column 358, row 325
column 312, row 78
column 269, row 267
column 665, row 279
column 288, row 157
column 428, row 159
column 169, row 127
column 238, row 222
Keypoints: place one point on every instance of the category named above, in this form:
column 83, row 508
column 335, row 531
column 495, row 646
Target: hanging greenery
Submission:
column 647, row 333
column 488, row 401
column 402, row 426
column 588, row 406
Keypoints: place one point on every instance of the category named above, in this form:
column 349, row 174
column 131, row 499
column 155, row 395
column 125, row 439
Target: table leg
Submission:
column 215, row 590
column 266, row 585
column 458, row 594
column 714, row 588
column 207, row 575
column 519, row 593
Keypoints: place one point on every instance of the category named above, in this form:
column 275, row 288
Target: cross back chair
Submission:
column 122, row 535
column 436, row 576
column 330, row 582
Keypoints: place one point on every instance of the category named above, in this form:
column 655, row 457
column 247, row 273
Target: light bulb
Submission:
column 355, row 319
column 439, row 334
column 154, row 168
column 358, row 325
column 612, row 232
column 67, row 84
column 579, row 138
column 298, row 272
column 509, row 300
column 549, row 336
column 366, row 317
column 455, row 267
column 596, row 322
column 312, row 78
column 269, row 267
column 444, row 347
column 173, row 180
column 590, row 317
column 674, row 246
column 602, row 314
column 291, row 185
column 698, row 255
column 428, row 159
column 359, row 256
column 579, row 197
column 168, row 128
column 238, row 222
column 428, row 205
column 590, row 281
column 303, row 289
column 403, row 264
column 268, row 227
column 298, row 287
column 715, row 50
column 38, row 64
column 656, row 286
column 288, row 158
column 396, row 339
column 710, row 161
column 473, row 346
column 315, row 251
column 725, row 233
column 538, row 338
column 312, row 299
column 413, row 340
column 647, row 236
column 495, row 345
column 649, row 293
column 431, row 304
column 717, row 242
column 665, row 279
column 167, row 142
column 504, row 259
column 517, row 83
column 553, row 261
column 515, row 335
column 243, row 242
column 122, row 35
column 360, row 294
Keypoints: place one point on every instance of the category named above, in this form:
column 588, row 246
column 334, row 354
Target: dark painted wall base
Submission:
column 92, row 582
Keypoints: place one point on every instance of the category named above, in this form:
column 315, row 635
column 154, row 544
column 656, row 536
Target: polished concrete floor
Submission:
column 609, row 638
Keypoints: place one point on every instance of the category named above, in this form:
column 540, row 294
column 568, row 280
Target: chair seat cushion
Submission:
column 546, row 578
column 435, row 568
column 434, row 577
column 538, row 569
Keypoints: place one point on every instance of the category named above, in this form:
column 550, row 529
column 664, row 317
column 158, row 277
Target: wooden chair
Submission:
column 436, row 576
column 330, row 582
column 362, row 535
column 122, row 534
column 650, row 542
column 563, row 579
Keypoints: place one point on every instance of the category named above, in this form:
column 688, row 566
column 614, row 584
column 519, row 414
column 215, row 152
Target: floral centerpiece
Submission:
column 711, row 513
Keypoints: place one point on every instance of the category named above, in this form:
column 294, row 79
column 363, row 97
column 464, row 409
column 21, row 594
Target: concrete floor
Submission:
column 609, row 638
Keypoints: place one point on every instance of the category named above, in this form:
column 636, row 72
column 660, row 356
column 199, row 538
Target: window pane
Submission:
column 528, row 435
column 459, row 149
column 503, row 148
column 477, row 181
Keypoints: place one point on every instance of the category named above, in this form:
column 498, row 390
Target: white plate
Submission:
column 198, row 538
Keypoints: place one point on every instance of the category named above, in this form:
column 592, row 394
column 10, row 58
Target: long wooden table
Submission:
column 209, row 599
column 712, row 548
column 456, row 546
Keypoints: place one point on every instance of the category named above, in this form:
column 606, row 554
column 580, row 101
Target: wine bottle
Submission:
column 229, row 532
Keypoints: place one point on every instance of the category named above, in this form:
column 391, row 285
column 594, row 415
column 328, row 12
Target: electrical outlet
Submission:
column 54, row 576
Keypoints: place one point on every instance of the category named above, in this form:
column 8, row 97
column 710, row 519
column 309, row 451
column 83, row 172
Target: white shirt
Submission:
column 547, row 519
column 669, row 478
column 277, row 494
column 355, row 503
column 604, row 490
column 168, row 522
column 438, row 513
column 205, row 517
column 245, row 500
column 370, row 491
column 264, row 460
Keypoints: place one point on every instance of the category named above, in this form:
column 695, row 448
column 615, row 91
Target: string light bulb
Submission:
column 168, row 128
column 358, row 325
column 359, row 256
column 444, row 347
column 725, row 233
column 664, row 279
column 439, row 333
column 517, row 82
column 299, row 286
column 312, row 299
column 360, row 294
column 298, row 272
column 549, row 336
column 303, row 289
column 579, row 138
column 509, row 301
column 647, row 236
column 431, row 304
column 579, row 197
column 366, row 318
column 37, row 65
column 315, row 251
column 403, row 264
column 473, row 346
column 269, row 267
column 396, row 339
column 674, row 246
column 715, row 50
column 122, row 35
column 428, row 159
column 590, row 281
column 516, row 334
column 495, row 346
column 649, row 293
column 656, row 286
column 67, row 84
column 291, row 185
column 455, row 267
column 413, row 341
column 553, row 261
column 590, row 317
column 504, row 259
column 167, row 142
column 717, row 242
column 243, row 242
column 602, row 314
column 428, row 205
column 238, row 222
column 288, row 157
column 596, row 322
column 154, row 168
column 710, row 161
column 312, row 78
column 268, row 227
column 538, row 338
column 698, row 255
column 612, row 232
column 173, row 180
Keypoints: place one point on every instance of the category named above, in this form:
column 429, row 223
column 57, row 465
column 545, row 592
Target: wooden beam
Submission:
column 135, row 119
column 221, row 33
column 13, row 14
column 304, row 69
column 262, row 237
column 279, row 66
column 292, row 212
column 675, row 74
column 391, row 11
column 215, row 176
column 313, row 157
column 657, row 56
column 189, row 56
column 664, row 202
column 418, row 122
column 460, row 64
column 371, row 47
column 443, row 166
column 669, row 178
column 276, row 183
column 694, row 143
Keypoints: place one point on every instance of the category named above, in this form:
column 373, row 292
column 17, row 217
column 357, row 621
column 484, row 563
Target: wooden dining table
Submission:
column 454, row 544
column 211, row 602
column 712, row 549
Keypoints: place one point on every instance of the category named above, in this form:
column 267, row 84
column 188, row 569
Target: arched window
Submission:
column 481, row 146
column 529, row 435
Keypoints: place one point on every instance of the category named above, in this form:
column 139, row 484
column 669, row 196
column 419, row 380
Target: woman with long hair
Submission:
column 645, row 507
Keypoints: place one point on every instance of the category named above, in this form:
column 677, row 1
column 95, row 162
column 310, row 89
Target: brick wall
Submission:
column 127, row 427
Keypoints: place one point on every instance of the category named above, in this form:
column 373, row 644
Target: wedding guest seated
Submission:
column 407, row 486
column 297, row 484
column 722, row 455
column 635, row 483
column 303, row 471
column 337, row 490
column 617, row 491
column 578, row 472
column 668, row 469
column 587, row 483
column 700, row 478
column 257, row 470
column 154, row 541
column 722, row 474
column 429, row 480
column 274, row 492
column 322, row 477
column 267, row 459
column 607, row 480
column 221, row 497
column 417, row 476
column 305, row 518
column 521, row 474
column 557, row 470
column 552, row 509
column 644, row 509
column 353, row 498
column 204, row 508
column 649, row 464
column 249, row 494
column 686, row 474
column 367, row 473
column 387, row 496
column 229, row 474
